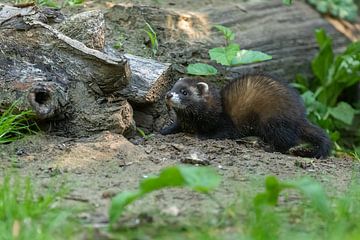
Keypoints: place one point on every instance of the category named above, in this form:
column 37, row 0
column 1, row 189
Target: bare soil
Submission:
column 95, row 169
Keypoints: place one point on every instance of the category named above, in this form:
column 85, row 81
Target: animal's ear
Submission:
column 202, row 87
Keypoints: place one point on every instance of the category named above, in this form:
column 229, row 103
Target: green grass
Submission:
column 153, row 38
column 14, row 125
column 302, row 210
column 25, row 214
column 51, row 3
column 283, row 210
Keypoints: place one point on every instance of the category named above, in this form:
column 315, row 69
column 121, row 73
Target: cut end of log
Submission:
column 148, row 81
column 43, row 101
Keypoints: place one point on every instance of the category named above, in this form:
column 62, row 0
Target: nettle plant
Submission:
column 229, row 55
column 344, row 9
column 332, row 75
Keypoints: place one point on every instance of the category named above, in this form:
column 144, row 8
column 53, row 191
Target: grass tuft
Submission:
column 24, row 215
column 15, row 125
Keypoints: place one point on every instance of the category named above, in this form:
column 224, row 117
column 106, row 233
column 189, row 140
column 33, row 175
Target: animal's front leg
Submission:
column 171, row 129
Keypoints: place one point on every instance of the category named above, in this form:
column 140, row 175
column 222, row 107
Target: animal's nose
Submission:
column 169, row 95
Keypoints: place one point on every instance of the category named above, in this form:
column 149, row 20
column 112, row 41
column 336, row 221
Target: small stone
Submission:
column 84, row 216
column 172, row 211
column 195, row 158
column 162, row 147
column 304, row 163
column 20, row 152
column 148, row 149
column 155, row 159
column 178, row 147
column 108, row 193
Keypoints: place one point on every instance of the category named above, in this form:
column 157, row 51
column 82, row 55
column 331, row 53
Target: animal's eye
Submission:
column 184, row 92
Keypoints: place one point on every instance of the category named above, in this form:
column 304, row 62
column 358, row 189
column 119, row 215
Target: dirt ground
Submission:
column 96, row 168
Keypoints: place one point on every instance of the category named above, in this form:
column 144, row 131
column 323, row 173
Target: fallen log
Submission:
column 143, row 88
column 71, row 86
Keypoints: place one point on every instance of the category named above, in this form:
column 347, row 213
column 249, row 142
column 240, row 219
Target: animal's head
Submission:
column 188, row 94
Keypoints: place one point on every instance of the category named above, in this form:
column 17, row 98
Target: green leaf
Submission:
column 287, row 2
column 345, row 9
column 74, row 2
column 273, row 190
column 343, row 112
column 201, row 69
column 347, row 69
column 249, row 56
column 343, row 72
column 200, row 179
column 273, row 187
column 153, row 38
column 224, row 55
column 357, row 150
column 315, row 193
column 48, row 3
column 228, row 34
column 169, row 177
column 335, row 136
column 322, row 6
column 316, row 110
column 308, row 97
column 309, row 188
column 324, row 59
column 301, row 83
column 299, row 86
column 120, row 201
column 347, row 66
column 353, row 48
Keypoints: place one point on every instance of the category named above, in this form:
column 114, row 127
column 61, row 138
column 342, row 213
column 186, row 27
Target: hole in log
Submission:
column 42, row 97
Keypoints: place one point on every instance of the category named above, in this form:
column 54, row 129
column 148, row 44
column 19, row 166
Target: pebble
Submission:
column 108, row 193
column 195, row 158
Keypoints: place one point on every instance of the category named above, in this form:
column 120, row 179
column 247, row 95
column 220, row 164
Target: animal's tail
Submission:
column 318, row 138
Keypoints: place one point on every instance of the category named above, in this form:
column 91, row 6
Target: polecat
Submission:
column 252, row 105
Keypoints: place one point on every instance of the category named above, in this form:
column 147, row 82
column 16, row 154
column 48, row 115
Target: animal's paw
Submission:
column 173, row 128
column 166, row 130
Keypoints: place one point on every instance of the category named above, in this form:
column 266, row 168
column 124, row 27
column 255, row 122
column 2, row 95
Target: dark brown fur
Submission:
column 254, row 105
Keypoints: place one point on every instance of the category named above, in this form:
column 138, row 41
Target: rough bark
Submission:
column 59, row 68
column 58, row 77
column 286, row 33
column 143, row 88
